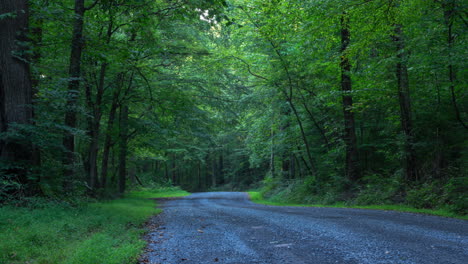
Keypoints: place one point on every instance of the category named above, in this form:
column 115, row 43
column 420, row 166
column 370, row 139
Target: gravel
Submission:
column 225, row 227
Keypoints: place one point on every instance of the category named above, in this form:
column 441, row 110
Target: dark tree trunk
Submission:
column 199, row 176
column 409, row 161
column 213, row 169
column 286, row 151
column 352, row 160
column 94, row 127
column 36, row 38
column 110, row 126
column 174, row 170
column 15, row 86
column 221, row 167
column 73, row 91
column 123, row 147
column 166, row 171
column 292, row 166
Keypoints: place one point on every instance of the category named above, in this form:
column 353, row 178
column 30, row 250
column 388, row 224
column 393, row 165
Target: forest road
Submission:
column 225, row 227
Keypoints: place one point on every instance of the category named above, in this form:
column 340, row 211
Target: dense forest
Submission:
column 358, row 101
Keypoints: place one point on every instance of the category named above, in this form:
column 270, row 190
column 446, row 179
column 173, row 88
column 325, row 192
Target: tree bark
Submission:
column 73, row 92
column 108, row 140
column 123, row 147
column 352, row 159
column 409, row 162
column 15, row 87
column 213, row 169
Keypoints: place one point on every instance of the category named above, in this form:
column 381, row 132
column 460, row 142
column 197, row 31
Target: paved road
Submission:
column 225, row 227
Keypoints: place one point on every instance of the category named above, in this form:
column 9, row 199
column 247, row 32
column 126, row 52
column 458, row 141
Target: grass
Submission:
column 101, row 232
column 257, row 197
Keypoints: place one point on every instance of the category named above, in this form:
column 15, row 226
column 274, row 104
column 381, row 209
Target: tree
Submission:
column 352, row 161
column 73, row 91
column 15, row 91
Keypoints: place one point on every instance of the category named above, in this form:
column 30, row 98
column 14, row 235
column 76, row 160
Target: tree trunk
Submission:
column 110, row 125
column 409, row 162
column 123, row 147
column 73, row 91
column 292, row 166
column 449, row 15
column 221, row 167
column 352, row 160
column 213, row 169
column 199, row 176
column 15, row 87
column 36, row 36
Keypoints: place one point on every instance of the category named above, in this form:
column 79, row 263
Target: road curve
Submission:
column 225, row 227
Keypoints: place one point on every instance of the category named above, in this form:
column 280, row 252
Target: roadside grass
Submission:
column 100, row 232
column 257, row 197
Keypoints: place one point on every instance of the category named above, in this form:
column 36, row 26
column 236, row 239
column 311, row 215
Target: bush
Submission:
column 377, row 190
column 428, row 195
column 456, row 192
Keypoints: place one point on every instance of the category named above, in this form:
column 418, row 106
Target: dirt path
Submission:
column 227, row 228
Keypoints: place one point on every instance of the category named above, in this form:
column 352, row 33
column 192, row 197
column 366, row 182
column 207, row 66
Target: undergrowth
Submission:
column 443, row 198
column 98, row 232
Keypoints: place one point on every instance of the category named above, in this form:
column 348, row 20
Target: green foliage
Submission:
column 455, row 192
column 97, row 232
column 428, row 195
column 379, row 190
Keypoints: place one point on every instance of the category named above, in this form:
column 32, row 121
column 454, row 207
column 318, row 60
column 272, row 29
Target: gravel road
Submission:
column 225, row 227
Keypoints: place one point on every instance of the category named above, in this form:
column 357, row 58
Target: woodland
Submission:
column 325, row 101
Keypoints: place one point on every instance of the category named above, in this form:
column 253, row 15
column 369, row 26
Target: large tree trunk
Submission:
column 409, row 162
column 15, row 87
column 123, row 147
column 73, row 91
column 352, row 160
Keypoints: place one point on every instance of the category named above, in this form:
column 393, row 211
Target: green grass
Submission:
column 101, row 232
column 257, row 197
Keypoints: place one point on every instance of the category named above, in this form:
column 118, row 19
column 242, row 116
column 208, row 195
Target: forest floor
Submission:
column 226, row 227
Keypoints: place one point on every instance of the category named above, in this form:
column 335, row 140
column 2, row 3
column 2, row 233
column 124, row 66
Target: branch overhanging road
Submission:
column 225, row 227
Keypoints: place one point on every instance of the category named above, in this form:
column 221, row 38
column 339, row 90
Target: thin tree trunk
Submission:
column 36, row 37
column 213, row 167
column 15, row 87
column 174, row 170
column 405, row 106
column 110, row 125
column 449, row 13
column 292, row 166
column 73, row 92
column 199, row 175
column 272, row 153
column 221, row 167
column 123, row 147
column 352, row 160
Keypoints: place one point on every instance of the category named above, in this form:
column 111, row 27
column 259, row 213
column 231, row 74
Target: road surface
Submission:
column 225, row 227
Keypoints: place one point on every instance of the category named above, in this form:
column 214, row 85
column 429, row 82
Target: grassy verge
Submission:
column 101, row 232
column 257, row 197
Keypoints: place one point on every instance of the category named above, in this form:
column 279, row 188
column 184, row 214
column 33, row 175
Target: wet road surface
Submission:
column 225, row 227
